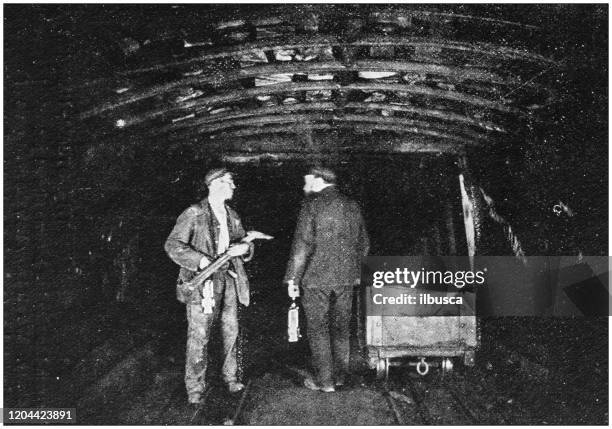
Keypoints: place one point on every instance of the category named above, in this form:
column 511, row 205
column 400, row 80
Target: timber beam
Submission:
column 495, row 52
column 351, row 126
column 488, row 52
column 414, row 112
column 279, row 145
column 294, row 87
column 397, row 123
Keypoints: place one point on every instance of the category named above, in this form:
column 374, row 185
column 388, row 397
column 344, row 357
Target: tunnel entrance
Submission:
column 411, row 204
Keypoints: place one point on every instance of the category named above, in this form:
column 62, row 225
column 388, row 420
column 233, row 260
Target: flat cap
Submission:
column 215, row 173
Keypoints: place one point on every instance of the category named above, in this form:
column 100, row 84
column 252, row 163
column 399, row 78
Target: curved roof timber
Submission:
column 219, row 77
column 238, row 157
column 475, row 71
column 361, row 128
column 417, row 125
column 430, row 113
column 404, row 90
column 273, row 81
column 454, row 75
column 474, row 100
column 486, row 52
column 438, row 115
column 284, row 141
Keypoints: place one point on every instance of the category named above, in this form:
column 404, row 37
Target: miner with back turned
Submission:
column 202, row 233
column 330, row 240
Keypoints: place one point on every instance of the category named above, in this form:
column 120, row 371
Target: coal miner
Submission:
column 328, row 244
column 202, row 233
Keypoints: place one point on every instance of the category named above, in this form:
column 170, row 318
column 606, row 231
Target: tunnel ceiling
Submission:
column 267, row 79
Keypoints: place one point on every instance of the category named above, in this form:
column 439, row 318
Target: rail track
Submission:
column 430, row 401
column 231, row 411
column 408, row 400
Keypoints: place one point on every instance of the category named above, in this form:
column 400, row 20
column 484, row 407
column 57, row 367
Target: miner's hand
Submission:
column 238, row 249
column 204, row 262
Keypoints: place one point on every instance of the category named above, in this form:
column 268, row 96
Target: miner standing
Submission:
column 202, row 233
column 329, row 242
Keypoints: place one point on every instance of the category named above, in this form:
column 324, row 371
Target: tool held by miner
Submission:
column 200, row 278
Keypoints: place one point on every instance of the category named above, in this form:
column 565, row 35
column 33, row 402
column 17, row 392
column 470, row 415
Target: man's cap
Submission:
column 325, row 173
column 214, row 174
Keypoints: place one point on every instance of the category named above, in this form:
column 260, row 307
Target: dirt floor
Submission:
column 498, row 390
column 527, row 371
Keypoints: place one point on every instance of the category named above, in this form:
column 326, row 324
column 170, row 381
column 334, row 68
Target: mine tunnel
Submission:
column 470, row 130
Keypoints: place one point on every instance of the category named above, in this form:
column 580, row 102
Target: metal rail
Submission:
column 235, row 418
column 197, row 415
column 423, row 411
column 420, row 404
column 393, row 405
column 466, row 410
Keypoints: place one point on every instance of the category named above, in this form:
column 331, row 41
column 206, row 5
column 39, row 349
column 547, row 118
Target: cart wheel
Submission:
column 447, row 366
column 382, row 369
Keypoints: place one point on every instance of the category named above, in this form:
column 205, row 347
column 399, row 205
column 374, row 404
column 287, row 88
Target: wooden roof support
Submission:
column 328, row 106
column 236, row 95
column 143, row 95
column 232, row 96
column 252, row 145
column 435, row 93
column 270, row 130
column 260, row 121
column 486, row 50
column 389, row 13
column 239, row 157
column 446, row 16
column 196, row 105
column 456, row 74
column 397, row 123
column 249, row 113
column 291, row 129
column 494, row 51
column 193, row 81
column 429, row 113
column 398, row 129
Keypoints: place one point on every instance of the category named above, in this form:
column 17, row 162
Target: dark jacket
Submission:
column 329, row 241
column 196, row 234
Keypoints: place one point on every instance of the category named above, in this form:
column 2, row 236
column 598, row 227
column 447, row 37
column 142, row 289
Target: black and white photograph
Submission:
column 296, row 214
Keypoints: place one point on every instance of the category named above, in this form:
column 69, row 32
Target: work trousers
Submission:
column 328, row 314
column 200, row 326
